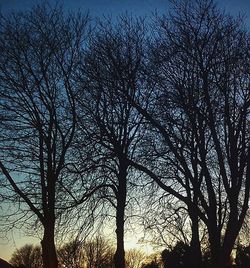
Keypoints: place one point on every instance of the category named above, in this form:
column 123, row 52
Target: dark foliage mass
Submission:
column 4, row 264
column 98, row 253
column 126, row 124
column 178, row 257
column 243, row 256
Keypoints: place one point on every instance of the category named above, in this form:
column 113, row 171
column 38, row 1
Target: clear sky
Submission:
column 137, row 7
column 99, row 8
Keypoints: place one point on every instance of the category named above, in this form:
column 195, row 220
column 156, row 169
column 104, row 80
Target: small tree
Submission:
column 98, row 253
column 28, row 256
column 134, row 258
column 71, row 255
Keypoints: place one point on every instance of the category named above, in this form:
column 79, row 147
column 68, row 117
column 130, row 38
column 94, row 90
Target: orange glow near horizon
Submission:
column 17, row 239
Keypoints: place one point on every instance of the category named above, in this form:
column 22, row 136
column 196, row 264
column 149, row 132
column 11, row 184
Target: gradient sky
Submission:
column 99, row 8
column 137, row 7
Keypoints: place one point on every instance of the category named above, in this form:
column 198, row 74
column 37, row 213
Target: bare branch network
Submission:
column 122, row 124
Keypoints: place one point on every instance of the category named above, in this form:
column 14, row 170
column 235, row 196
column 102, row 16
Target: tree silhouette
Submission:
column 152, row 264
column 178, row 257
column 242, row 256
column 113, row 63
column 40, row 52
column 201, row 107
column 98, row 253
column 71, row 255
column 134, row 258
column 28, row 256
column 81, row 119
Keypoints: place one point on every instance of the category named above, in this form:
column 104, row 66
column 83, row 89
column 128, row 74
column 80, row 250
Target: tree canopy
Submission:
column 113, row 123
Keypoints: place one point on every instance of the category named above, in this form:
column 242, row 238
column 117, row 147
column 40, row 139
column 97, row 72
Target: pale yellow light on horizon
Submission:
column 133, row 243
column 15, row 240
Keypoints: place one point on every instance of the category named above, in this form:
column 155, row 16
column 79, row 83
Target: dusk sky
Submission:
column 136, row 7
column 108, row 7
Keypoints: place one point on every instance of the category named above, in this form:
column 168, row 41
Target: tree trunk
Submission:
column 195, row 257
column 215, row 245
column 222, row 261
column 221, row 252
column 119, row 257
column 228, row 244
column 49, row 255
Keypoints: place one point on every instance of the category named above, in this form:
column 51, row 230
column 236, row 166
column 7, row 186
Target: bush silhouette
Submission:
column 178, row 257
column 243, row 257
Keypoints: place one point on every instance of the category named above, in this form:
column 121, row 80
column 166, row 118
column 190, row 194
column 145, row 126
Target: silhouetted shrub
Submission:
column 153, row 264
column 178, row 257
column 243, row 257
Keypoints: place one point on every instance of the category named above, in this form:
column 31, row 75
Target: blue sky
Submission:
column 107, row 7
column 137, row 7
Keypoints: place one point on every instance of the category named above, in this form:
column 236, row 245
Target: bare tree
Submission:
column 202, row 119
column 134, row 258
column 113, row 63
column 28, row 256
column 40, row 51
column 71, row 255
column 166, row 221
column 98, row 253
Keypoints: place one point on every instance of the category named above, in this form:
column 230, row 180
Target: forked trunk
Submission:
column 221, row 251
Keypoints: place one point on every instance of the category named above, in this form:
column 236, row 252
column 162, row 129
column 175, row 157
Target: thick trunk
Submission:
column 228, row 244
column 119, row 258
column 195, row 257
column 222, row 261
column 49, row 255
column 220, row 255
column 221, row 252
column 215, row 244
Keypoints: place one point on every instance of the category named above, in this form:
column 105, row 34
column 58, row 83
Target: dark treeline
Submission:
column 98, row 253
column 127, row 120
